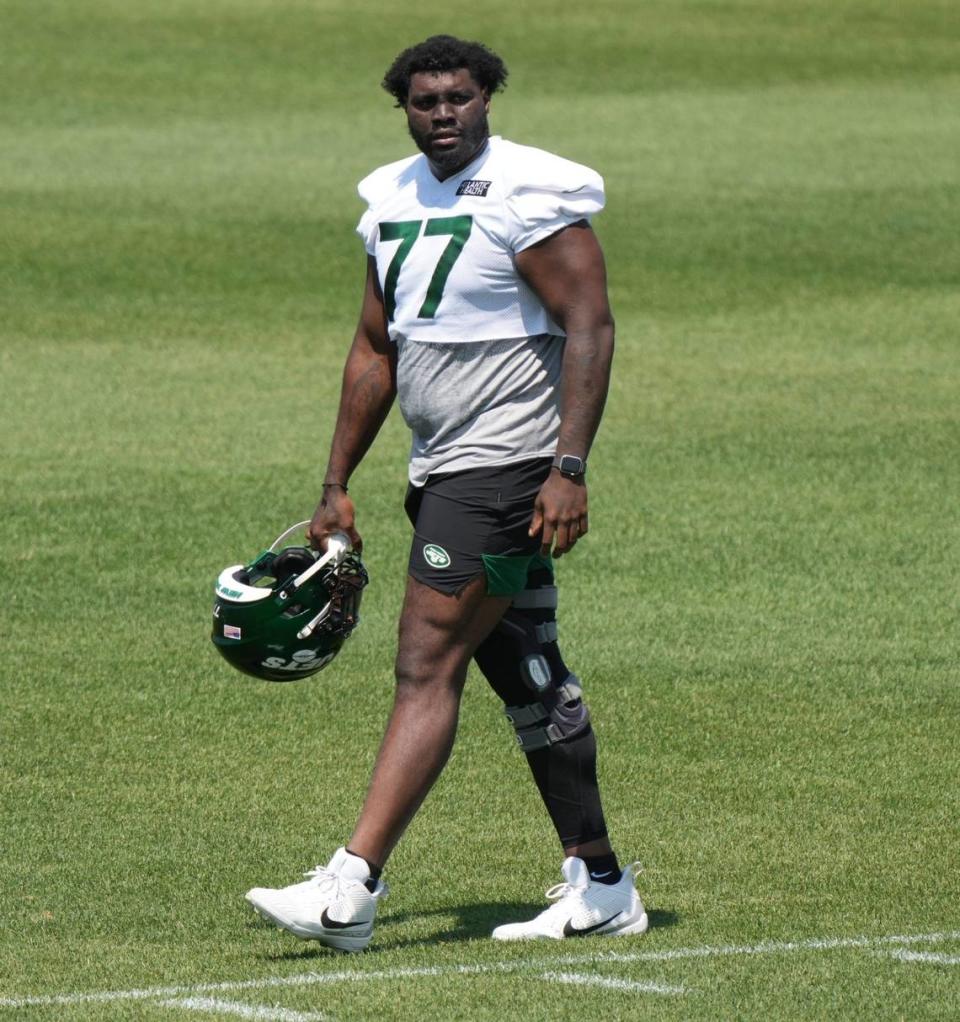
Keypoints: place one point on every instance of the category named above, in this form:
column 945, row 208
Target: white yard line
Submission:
column 373, row 976
column 257, row 1012
column 267, row 982
column 612, row 983
column 767, row 947
column 925, row 956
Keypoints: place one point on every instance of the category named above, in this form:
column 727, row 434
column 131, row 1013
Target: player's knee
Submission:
column 410, row 670
column 558, row 715
column 521, row 659
column 423, row 667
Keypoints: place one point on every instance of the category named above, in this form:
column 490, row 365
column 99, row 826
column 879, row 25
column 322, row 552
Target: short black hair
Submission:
column 445, row 53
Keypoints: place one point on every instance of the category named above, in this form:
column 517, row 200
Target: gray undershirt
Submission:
column 472, row 404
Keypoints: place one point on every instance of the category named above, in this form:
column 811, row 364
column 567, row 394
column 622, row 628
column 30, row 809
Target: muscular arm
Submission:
column 568, row 274
column 366, row 395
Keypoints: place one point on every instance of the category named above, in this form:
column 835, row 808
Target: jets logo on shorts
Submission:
column 436, row 556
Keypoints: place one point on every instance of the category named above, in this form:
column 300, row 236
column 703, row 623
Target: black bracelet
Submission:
column 343, row 486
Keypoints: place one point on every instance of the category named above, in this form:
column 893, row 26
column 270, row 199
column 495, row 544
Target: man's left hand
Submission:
column 560, row 514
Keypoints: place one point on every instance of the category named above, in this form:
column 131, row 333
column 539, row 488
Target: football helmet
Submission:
column 286, row 614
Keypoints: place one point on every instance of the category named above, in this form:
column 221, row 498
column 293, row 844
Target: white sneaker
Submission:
column 584, row 908
column 333, row 906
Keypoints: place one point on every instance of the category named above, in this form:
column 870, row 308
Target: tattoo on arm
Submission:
column 366, row 399
column 586, row 375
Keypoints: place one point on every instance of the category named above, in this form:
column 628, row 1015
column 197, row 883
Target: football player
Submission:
column 485, row 312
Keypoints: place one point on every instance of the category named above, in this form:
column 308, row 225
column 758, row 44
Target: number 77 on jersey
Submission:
column 407, row 232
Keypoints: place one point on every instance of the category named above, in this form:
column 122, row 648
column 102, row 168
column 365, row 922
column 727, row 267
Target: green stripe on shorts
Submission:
column 507, row 573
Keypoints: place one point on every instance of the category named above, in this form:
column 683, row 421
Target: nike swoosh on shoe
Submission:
column 569, row 930
column 334, row 924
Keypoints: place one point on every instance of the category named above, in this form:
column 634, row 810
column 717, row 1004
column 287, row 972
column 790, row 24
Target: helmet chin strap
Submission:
column 309, row 628
column 337, row 547
column 287, row 532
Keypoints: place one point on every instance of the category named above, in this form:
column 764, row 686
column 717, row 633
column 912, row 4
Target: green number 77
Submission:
column 407, row 232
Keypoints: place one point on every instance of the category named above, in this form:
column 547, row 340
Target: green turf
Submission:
column 765, row 614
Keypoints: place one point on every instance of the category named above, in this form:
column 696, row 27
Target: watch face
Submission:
column 571, row 465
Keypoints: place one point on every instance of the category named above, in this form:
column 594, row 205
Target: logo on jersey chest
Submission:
column 474, row 187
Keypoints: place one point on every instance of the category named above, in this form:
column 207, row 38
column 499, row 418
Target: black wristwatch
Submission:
column 570, row 465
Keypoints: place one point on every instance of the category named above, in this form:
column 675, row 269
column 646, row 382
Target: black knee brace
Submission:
column 522, row 662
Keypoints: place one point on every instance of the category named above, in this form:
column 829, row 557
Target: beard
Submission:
column 450, row 159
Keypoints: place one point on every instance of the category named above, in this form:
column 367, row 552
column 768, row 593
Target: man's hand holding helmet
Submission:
column 335, row 513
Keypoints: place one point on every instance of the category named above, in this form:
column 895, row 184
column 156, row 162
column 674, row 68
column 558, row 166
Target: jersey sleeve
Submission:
column 367, row 227
column 551, row 195
column 377, row 187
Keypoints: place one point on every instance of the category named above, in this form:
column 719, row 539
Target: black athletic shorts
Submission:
column 475, row 522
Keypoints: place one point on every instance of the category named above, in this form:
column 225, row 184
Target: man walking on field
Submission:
column 486, row 312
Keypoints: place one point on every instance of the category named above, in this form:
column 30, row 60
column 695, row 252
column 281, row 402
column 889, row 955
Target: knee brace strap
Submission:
column 547, row 632
column 559, row 714
column 544, row 598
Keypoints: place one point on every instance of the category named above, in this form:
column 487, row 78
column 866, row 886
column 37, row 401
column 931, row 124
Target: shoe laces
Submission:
column 560, row 891
column 325, row 879
column 561, row 894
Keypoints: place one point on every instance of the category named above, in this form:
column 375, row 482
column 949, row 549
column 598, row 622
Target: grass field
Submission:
column 765, row 614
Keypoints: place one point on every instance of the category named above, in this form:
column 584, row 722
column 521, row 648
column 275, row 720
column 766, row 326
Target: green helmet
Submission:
column 286, row 614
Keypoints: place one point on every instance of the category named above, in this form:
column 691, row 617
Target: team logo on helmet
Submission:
column 436, row 556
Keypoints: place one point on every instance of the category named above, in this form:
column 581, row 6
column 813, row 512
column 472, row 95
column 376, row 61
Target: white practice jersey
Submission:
column 478, row 355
